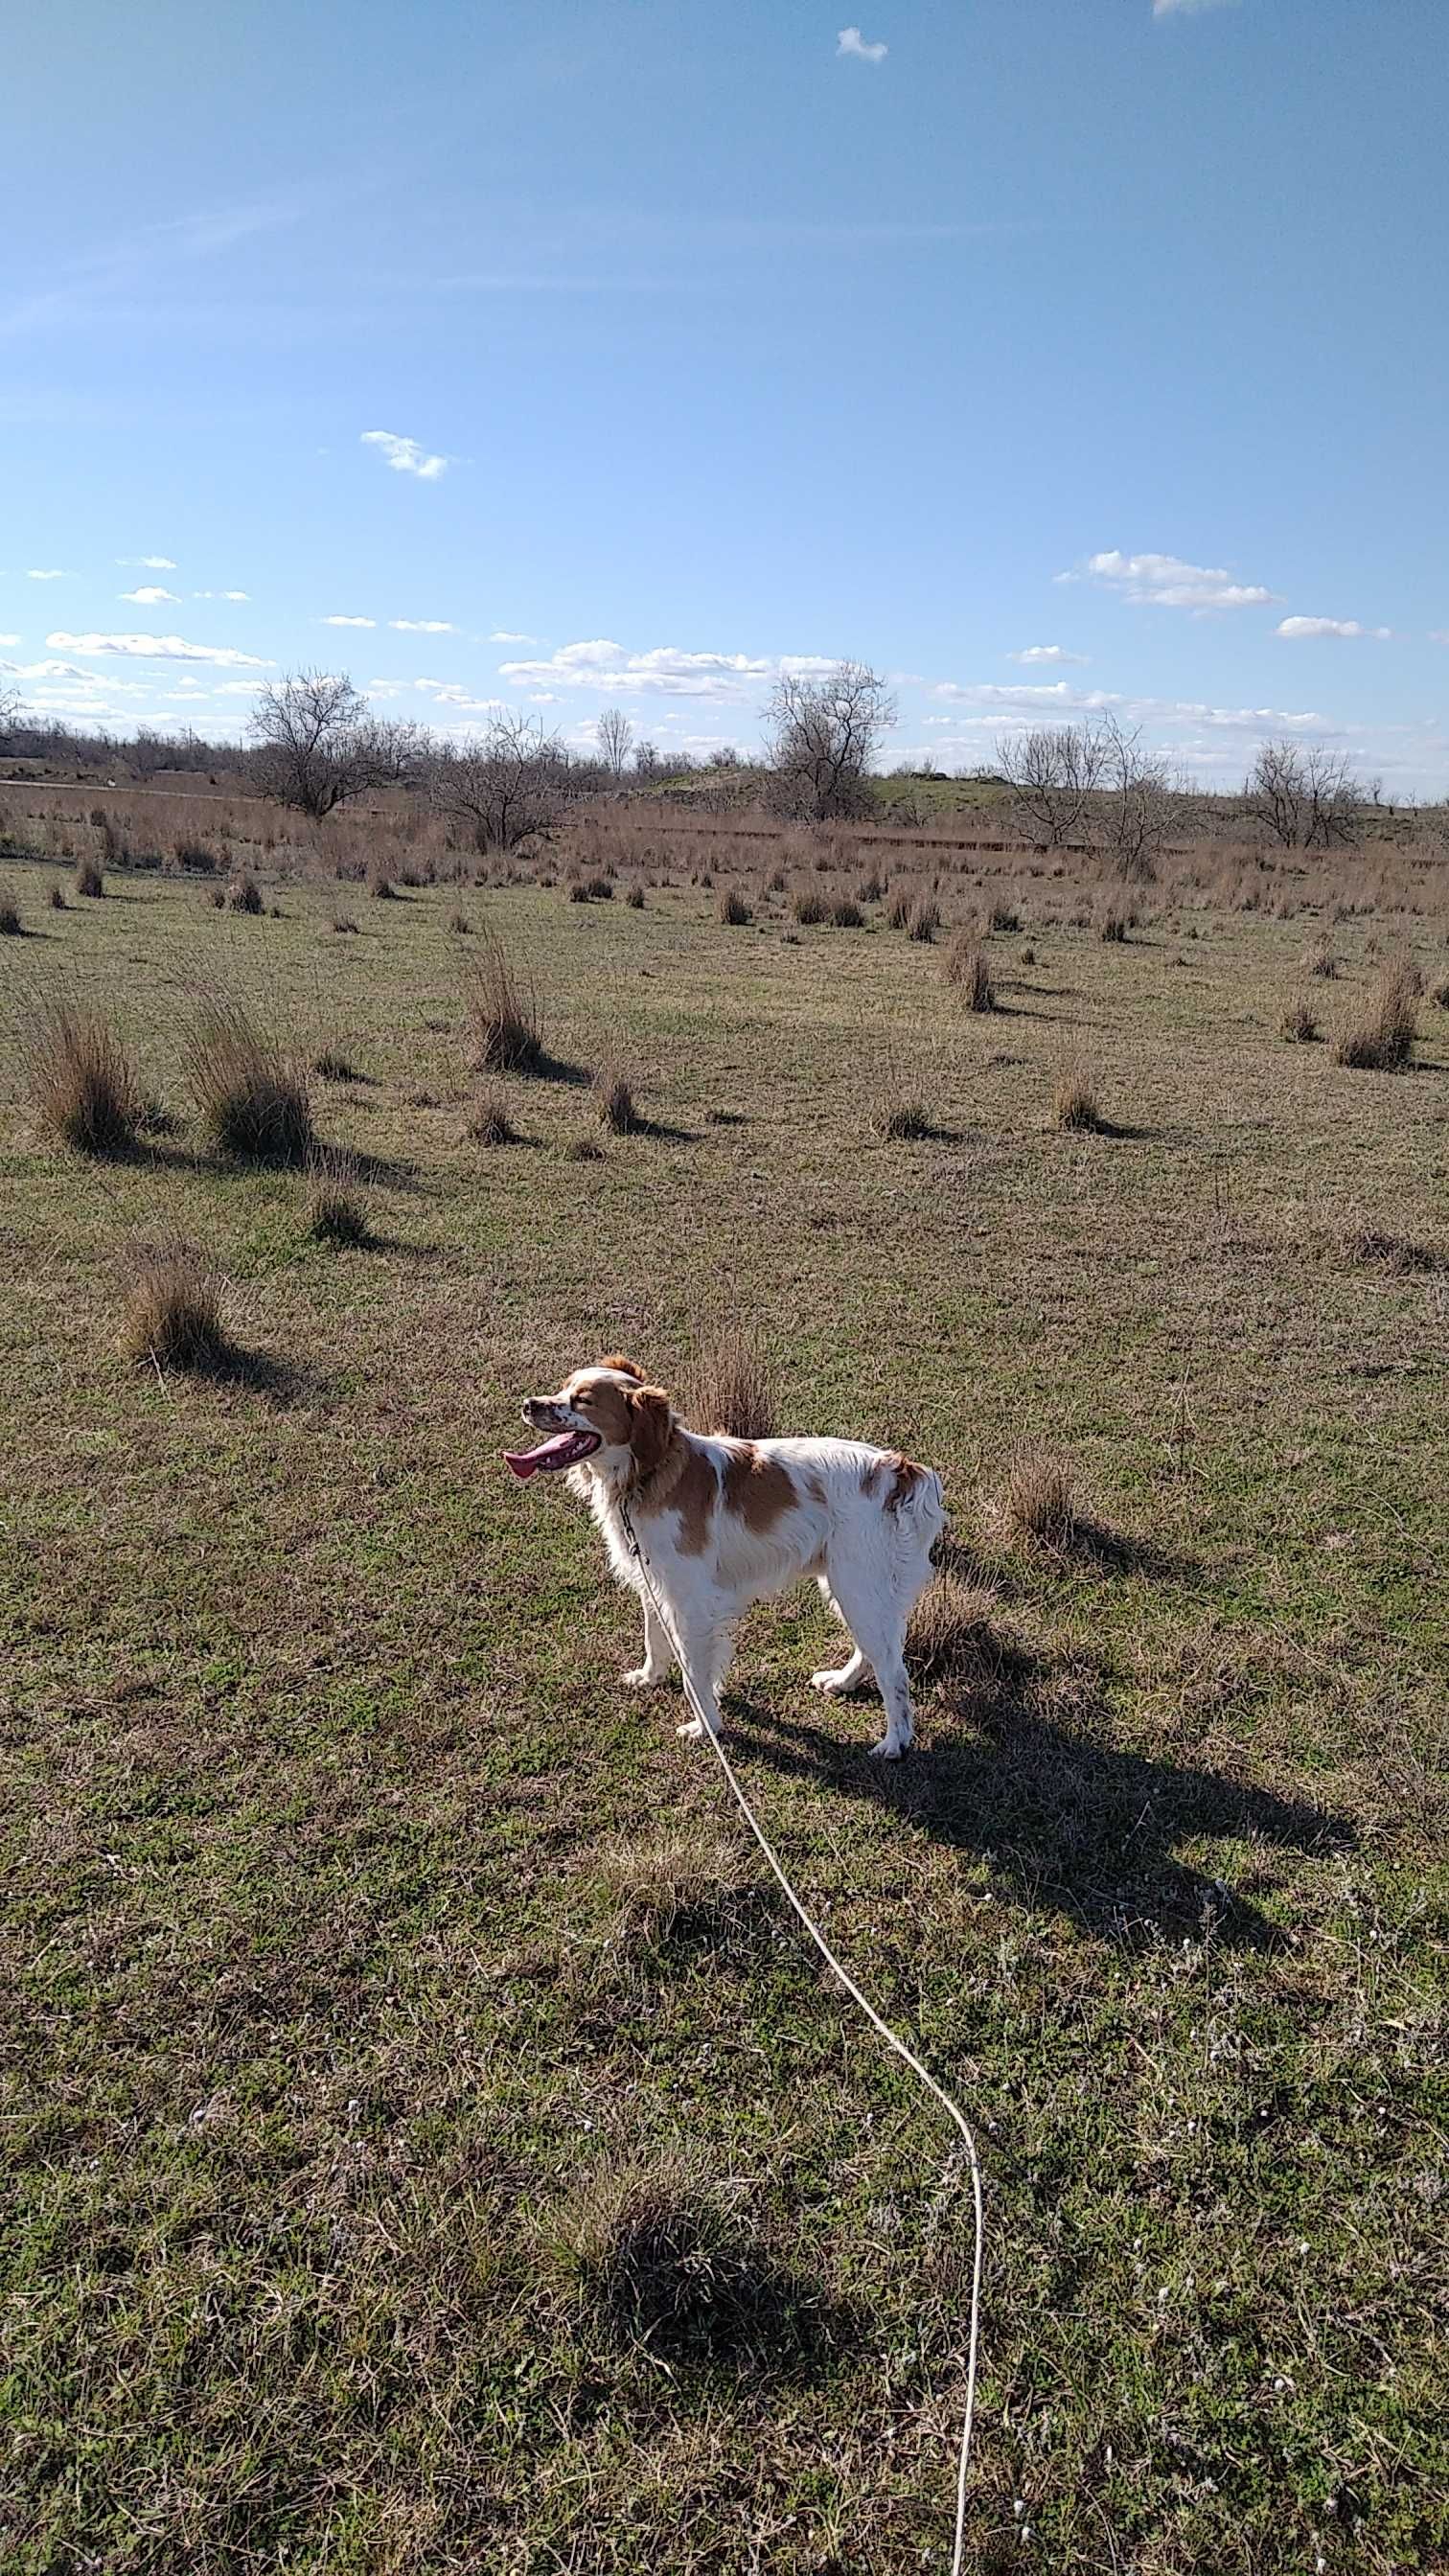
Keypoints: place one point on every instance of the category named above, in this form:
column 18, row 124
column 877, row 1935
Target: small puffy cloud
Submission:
column 156, row 648
column 151, row 597
column 850, row 41
column 6, row 640
column 145, row 563
column 221, row 594
column 1302, row 629
column 451, row 693
column 349, row 621
column 405, row 455
column 421, row 626
column 504, row 635
column 1165, row 581
column 610, row 670
column 46, row 576
column 1046, row 653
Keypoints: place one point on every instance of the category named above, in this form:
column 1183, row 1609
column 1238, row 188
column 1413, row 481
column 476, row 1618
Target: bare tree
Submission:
column 509, row 782
column 1306, row 796
column 319, row 745
column 9, row 709
column 1052, row 771
column 824, row 735
column 1138, row 800
column 647, row 762
column 614, row 735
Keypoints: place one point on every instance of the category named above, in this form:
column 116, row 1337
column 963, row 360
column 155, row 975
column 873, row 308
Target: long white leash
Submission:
column 955, row 2115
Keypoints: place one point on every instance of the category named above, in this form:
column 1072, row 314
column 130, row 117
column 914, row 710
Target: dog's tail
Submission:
column 916, row 1504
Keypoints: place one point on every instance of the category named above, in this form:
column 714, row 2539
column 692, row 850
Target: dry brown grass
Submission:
column 173, row 1308
column 56, row 899
column 251, row 1095
column 505, row 1024
column 336, row 1209
column 729, row 1386
column 329, row 1066
column 459, row 926
column 656, row 2253
column 949, row 1639
column 733, row 909
column 89, row 879
column 809, row 908
column 1299, row 1022
column 692, row 1881
column 379, row 881
column 488, row 1120
column 900, row 1116
column 1074, row 1102
column 614, row 1103
column 1321, row 961
column 245, row 895
column 925, row 918
column 11, row 925
column 966, row 966
column 344, row 925
column 1038, row 1500
column 1382, row 1040
column 81, row 1080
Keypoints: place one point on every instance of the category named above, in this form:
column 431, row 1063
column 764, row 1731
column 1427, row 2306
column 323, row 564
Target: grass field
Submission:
column 335, row 2033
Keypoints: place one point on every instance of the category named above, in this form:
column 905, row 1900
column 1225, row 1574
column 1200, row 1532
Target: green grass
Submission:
column 316, row 1772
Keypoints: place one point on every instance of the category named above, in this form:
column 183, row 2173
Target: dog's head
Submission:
column 603, row 1416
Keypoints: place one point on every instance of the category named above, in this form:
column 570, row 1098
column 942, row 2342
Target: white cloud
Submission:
column 8, row 639
column 503, row 635
column 405, row 456
column 44, row 670
column 156, row 648
column 151, row 597
column 611, row 671
column 235, row 689
column 1046, row 653
column 851, row 41
column 47, row 576
column 1297, row 629
column 421, row 626
column 1165, row 581
column 145, row 563
column 451, row 693
column 221, row 594
column 1062, row 701
column 349, row 621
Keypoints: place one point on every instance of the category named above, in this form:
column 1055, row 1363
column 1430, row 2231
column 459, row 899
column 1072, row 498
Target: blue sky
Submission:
column 1046, row 353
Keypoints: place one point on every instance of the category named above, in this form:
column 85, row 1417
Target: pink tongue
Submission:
column 526, row 1462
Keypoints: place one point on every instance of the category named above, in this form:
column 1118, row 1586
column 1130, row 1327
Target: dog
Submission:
column 721, row 1523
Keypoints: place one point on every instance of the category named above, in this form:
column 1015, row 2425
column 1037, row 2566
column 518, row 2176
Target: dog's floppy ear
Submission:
column 625, row 1367
column 651, row 1427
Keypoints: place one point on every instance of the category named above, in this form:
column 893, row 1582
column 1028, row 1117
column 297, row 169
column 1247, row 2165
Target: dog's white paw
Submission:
column 641, row 1678
column 890, row 1748
column 832, row 1681
column 693, row 1730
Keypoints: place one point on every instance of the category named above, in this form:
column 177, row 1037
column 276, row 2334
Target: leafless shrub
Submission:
column 173, row 1308
column 1005, row 916
column 505, row 1027
column 871, row 887
column 252, row 1097
column 1303, row 795
column 729, row 1386
column 509, row 784
column 823, row 738
column 81, row 1079
column 318, row 744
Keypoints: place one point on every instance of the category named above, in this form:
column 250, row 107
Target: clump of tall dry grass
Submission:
column 336, row 1209
column 845, row 914
column 244, row 895
column 251, row 1095
column 966, row 966
column 901, row 1117
column 948, row 1636
column 809, row 908
column 655, row 2251
column 505, row 1025
column 898, row 910
column 1382, row 1040
column 729, row 1387
column 689, row 1882
column 1038, row 1500
column 733, row 909
column 614, row 1102
column 379, row 881
column 488, row 1120
column 89, row 879
column 1299, row 1023
column 81, row 1080
column 173, row 1308
column 925, row 918
column 1074, row 1102
column 11, row 925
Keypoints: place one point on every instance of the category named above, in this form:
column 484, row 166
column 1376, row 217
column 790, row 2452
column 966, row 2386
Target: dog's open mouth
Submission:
column 565, row 1449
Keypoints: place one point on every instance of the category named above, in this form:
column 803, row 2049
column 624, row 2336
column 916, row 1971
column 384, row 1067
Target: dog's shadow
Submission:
column 1065, row 1821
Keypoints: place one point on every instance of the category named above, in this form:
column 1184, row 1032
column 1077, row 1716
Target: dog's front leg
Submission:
column 658, row 1653
column 705, row 1655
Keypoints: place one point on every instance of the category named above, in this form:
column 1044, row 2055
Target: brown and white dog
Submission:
column 723, row 1523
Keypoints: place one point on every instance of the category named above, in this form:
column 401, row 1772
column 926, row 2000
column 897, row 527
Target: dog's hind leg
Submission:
column 855, row 1670
column 877, row 1623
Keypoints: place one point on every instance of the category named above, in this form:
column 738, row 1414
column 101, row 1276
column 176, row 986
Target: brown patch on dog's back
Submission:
column 757, row 1489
